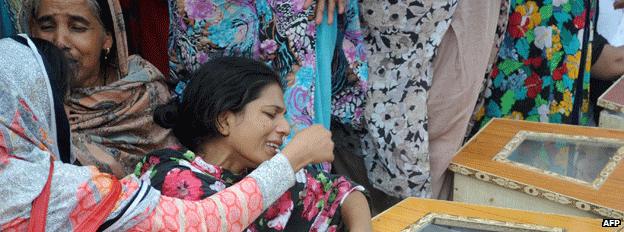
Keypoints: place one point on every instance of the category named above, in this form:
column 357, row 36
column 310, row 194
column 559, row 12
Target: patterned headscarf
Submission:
column 27, row 141
column 112, row 125
column 27, row 123
column 26, row 100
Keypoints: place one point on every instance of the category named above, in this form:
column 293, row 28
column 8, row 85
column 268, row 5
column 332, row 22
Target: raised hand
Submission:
column 311, row 145
column 320, row 7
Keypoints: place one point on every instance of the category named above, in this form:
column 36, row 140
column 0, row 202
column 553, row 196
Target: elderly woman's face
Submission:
column 73, row 25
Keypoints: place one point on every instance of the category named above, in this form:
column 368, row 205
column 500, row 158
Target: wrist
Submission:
column 274, row 177
column 297, row 162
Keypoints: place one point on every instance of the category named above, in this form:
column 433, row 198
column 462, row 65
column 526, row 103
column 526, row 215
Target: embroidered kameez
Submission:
column 543, row 67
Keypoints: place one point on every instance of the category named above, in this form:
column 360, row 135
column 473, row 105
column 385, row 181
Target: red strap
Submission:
column 91, row 223
column 40, row 205
column 102, row 210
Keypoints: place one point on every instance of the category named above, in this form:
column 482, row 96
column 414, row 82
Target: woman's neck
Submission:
column 219, row 154
column 102, row 78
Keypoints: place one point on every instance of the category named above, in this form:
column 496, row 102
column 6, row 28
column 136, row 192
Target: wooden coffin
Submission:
column 613, row 102
column 543, row 167
column 424, row 215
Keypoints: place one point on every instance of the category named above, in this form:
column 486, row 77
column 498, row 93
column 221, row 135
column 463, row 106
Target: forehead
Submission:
column 82, row 8
column 271, row 95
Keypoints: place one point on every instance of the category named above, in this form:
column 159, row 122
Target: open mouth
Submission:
column 274, row 146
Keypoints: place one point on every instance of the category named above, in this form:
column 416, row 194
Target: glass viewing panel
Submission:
column 448, row 223
column 571, row 157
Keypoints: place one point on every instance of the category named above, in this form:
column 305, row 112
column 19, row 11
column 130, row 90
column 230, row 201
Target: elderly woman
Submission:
column 38, row 192
column 231, row 119
column 113, row 95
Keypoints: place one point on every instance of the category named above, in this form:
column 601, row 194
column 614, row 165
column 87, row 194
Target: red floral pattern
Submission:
column 310, row 205
column 534, row 85
column 313, row 195
column 182, row 184
column 543, row 66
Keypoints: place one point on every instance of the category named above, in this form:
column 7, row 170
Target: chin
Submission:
column 267, row 157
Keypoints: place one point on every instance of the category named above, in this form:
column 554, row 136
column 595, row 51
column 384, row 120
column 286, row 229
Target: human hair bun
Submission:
column 167, row 115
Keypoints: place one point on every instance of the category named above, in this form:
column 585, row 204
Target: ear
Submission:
column 108, row 41
column 225, row 122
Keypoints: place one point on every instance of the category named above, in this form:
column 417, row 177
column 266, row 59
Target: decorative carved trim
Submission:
column 539, row 192
column 618, row 107
column 612, row 120
column 610, row 105
column 523, row 135
column 452, row 220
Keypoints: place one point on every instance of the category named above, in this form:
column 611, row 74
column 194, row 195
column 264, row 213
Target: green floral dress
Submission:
column 542, row 71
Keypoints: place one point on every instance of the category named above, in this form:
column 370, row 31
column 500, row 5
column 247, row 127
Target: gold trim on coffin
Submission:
column 523, row 135
column 451, row 220
column 538, row 192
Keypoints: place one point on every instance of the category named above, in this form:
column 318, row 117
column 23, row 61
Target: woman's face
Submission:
column 74, row 27
column 256, row 133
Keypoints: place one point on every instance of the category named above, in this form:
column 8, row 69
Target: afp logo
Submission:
column 611, row 222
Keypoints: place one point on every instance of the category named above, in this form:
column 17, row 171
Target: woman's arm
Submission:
column 76, row 193
column 610, row 63
column 356, row 213
column 232, row 209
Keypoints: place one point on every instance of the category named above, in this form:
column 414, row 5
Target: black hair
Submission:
column 107, row 21
column 59, row 73
column 218, row 86
column 58, row 68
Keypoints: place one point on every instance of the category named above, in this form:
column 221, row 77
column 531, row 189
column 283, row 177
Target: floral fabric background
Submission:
column 282, row 34
column 312, row 204
column 402, row 39
column 542, row 71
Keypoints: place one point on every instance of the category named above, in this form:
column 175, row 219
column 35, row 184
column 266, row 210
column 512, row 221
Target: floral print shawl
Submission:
column 543, row 67
column 282, row 34
column 312, row 204
column 402, row 39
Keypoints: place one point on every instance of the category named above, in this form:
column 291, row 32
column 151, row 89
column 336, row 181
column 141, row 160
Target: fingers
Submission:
column 341, row 6
column 320, row 7
column 330, row 11
column 307, row 4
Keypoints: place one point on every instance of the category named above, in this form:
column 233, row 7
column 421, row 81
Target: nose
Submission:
column 61, row 40
column 283, row 128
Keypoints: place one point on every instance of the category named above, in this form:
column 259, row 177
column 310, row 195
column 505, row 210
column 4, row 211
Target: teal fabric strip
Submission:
column 325, row 45
column 6, row 24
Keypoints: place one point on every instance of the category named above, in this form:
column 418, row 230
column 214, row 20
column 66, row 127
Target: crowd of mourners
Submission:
column 272, row 115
